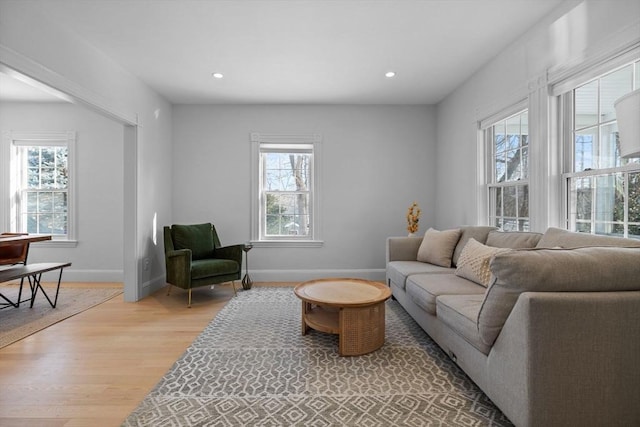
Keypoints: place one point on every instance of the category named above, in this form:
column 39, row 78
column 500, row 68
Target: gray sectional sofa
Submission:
column 547, row 325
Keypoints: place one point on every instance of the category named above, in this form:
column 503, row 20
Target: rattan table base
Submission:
column 354, row 310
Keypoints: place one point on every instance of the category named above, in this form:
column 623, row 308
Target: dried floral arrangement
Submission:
column 413, row 216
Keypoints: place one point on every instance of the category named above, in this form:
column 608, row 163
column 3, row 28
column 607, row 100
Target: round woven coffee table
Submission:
column 351, row 308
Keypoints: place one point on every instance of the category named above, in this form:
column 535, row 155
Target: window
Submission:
column 603, row 189
column 41, row 183
column 285, row 199
column 507, row 142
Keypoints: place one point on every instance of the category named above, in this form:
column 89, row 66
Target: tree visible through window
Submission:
column 603, row 189
column 508, row 185
column 43, row 195
column 40, row 183
column 286, row 190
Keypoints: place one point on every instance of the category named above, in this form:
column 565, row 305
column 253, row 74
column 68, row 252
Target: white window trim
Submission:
column 315, row 240
column 8, row 220
column 485, row 160
column 562, row 90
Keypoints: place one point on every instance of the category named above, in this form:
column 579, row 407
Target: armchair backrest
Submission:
column 202, row 239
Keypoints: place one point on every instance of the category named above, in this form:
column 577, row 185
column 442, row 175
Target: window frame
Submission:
column 490, row 181
column 10, row 180
column 261, row 143
column 567, row 100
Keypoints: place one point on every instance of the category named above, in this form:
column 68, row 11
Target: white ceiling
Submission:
column 299, row 51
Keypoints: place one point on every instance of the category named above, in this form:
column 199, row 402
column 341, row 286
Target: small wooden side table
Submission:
column 354, row 309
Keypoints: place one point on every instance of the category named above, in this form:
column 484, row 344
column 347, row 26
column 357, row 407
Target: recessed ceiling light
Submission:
column 217, row 75
column 390, row 74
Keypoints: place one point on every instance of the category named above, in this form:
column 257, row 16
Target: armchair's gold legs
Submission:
column 233, row 284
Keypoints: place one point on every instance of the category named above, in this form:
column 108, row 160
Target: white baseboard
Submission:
column 152, row 285
column 304, row 275
column 72, row 275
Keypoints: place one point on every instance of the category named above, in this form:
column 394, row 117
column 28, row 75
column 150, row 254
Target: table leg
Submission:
column 305, row 309
column 35, row 285
column 361, row 329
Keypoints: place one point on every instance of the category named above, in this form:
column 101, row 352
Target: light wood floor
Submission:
column 93, row 369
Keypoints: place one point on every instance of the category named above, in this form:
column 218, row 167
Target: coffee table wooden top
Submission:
column 342, row 292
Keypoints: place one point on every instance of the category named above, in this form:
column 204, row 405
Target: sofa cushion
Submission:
column 423, row 289
column 398, row 271
column 460, row 313
column 437, row 246
column 213, row 267
column 197, row 237
column 556, row 237
column 513, row 239
column 589, row 269
column 473, row 263
column 479, row 233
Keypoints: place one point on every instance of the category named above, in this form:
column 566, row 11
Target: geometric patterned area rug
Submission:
column 251, row 366
column 18, row 323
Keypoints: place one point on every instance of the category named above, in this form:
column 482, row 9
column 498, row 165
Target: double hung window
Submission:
column 507, row 142
column 40, row 177
column 603, row 189
column 285, row 197
column 286, row 172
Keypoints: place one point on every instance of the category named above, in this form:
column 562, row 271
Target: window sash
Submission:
column 34, row 217
column 596, row 180
column 514, row 215
column 58, row 191
column 600, row 199
column 305, row 231
column 509, row 205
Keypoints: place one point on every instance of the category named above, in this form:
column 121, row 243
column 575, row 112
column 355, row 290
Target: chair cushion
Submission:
column 513, row 239
column 437, row 246
column 213, row 267
column 196, row 237
column 423, row 289
column 556, row 237
column 460, row 313
column 398, row 271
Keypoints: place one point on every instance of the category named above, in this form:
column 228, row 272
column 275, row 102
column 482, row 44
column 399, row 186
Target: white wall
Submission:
column 376, row 161
column 98, row 255
column 575, row 34
column 62, row 59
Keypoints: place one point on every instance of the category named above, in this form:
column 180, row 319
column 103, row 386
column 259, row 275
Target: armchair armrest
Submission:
column 402, row 248
column 233, row 252
column 179, row 267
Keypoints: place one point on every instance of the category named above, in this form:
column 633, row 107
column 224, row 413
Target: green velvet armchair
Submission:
column 194, row 257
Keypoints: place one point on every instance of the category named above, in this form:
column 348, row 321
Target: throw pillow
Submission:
column 473, row 263
column 437, row 246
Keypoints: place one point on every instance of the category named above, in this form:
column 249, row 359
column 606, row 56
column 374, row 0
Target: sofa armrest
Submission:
column 569, row 358
column 179, row 267
column 402, row 248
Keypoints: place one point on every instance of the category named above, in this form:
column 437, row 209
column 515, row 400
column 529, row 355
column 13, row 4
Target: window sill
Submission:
column 287, row 243
column 55, row 244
